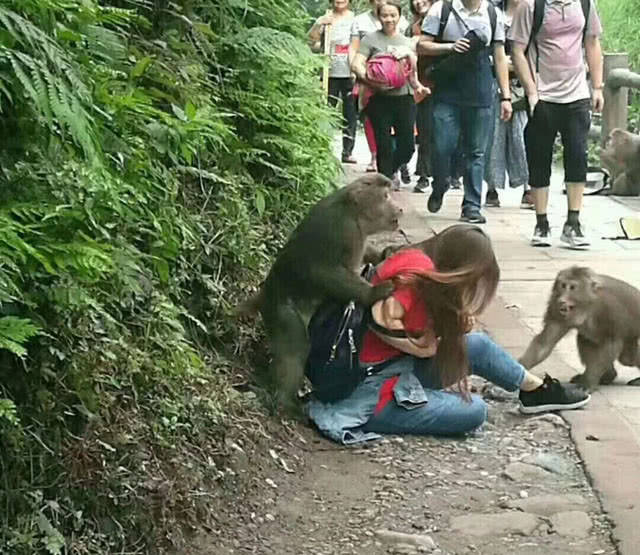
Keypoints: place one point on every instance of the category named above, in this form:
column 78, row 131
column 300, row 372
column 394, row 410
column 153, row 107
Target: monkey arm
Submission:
column 543, row 343
column 344, row 285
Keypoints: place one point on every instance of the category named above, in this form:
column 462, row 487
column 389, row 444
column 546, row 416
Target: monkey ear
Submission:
column 596, row 283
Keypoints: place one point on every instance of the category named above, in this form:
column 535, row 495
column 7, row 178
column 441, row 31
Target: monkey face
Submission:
column 370, row 196
column 574, row 291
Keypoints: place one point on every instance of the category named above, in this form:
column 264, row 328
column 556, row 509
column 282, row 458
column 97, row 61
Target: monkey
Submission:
column 320, row 261
column 621, row 158
column 606, row 313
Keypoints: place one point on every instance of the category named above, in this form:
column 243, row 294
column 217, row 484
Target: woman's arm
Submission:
column 359, row 66
column 315, row 33
column 388, row 313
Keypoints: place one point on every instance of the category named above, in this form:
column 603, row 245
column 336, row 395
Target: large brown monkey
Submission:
column 621, row 157
column 319, row 262
column 606, row 313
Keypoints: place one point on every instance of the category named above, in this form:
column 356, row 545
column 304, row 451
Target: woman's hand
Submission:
column 326, row 19
column 461, row 46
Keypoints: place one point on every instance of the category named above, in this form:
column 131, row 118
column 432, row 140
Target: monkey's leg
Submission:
column 289, row 347
column 608, row 376
column 597, row 358
column 543, row 343
column 344, row 285
column 630, row 356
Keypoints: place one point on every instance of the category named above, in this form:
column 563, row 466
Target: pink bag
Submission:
column 388, row 71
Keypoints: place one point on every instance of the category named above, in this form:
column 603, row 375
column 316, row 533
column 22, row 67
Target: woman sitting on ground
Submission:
column 418, row 384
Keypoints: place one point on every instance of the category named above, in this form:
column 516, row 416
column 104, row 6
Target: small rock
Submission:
column 522, row 472
column 571, row 523
column 497, row 524
column 552, row 463
column 524, row 494
column 591, row 437
column 549, row 417
column 547, row 505
column 391, row 537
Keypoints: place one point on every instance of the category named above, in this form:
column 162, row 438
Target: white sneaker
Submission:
column 574, row 237
column 541, row 237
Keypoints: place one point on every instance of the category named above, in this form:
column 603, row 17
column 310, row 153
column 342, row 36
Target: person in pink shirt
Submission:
column 551, row 68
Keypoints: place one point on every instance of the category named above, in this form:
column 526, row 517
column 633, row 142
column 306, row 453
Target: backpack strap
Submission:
column 444, row 17
column 493, row 19
column 586, row 10
column 538, row 16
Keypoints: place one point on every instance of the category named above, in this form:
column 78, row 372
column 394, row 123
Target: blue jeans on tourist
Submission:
column 419, row 404
column 447, row 412
column 450, row 121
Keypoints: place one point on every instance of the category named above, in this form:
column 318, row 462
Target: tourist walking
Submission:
column 506, row 154
column 339, row 20
column 469, row 31
column 548, row 38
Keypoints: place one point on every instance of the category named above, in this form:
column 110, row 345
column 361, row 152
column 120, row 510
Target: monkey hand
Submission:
column 380, row 291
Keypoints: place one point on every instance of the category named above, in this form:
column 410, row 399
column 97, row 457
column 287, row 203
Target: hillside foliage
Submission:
column 153, row 155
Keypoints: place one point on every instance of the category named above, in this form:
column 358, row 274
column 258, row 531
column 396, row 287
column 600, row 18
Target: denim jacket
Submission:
column 342, row 420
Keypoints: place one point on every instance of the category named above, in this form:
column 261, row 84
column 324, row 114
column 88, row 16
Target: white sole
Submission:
column 574, row 245
column 548, row 408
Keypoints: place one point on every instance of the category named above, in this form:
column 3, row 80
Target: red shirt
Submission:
column 416, row 317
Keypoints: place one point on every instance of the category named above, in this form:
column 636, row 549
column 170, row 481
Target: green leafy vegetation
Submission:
column 152, row 157
column 622, row 34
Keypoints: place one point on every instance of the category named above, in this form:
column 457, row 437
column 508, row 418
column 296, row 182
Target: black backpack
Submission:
column 335, row 336
column 538, row 16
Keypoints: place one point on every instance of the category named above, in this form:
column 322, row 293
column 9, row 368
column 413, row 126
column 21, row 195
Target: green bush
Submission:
column 152, row 160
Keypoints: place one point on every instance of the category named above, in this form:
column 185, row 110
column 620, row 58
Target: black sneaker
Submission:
column 541, row 236
column 435, row 202
column 404, row 174
column 552, row 395
column 454, row 183
column 492, row 199
column 422, row 185
column 473, row 218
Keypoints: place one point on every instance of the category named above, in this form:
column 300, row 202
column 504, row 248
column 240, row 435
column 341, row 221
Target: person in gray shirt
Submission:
column 340, row 20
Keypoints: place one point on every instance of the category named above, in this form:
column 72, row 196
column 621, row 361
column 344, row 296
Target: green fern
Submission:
column 14, row 332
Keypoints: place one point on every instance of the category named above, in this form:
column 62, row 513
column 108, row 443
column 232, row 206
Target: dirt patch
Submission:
column 306, row 495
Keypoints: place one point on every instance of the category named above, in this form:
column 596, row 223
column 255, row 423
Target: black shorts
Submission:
column 572, row 120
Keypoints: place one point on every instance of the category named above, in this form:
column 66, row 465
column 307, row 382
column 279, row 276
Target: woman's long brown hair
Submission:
column 462, row 285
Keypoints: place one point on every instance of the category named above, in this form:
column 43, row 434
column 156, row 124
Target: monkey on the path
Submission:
column 621, row 157
column 319, row 262
column 606, row 313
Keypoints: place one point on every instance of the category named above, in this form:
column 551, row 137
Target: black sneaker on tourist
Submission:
column 473, row 218
column 454, row 183
column 553, row 395
column 492, row 199
column 422, row 185
column 435, row 202
column 541, row 237
column 573, row 236
column 404, row 174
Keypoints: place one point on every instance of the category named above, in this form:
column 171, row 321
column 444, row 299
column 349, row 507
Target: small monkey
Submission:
column 621, row 157
column 606, row 313
column 320, row 262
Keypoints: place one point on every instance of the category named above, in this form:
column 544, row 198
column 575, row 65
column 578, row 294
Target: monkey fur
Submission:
column 621, row 157
column 319, row 262
column 606, row 313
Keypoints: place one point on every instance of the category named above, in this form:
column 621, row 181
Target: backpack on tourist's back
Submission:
column 538, row 16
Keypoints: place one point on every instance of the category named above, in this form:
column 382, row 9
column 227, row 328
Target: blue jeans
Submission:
column 474, row 123
column 446, row 412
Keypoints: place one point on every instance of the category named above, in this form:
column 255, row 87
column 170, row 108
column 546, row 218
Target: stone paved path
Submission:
column 613, row 417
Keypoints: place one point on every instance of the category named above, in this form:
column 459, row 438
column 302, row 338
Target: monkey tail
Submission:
column 250, row 306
